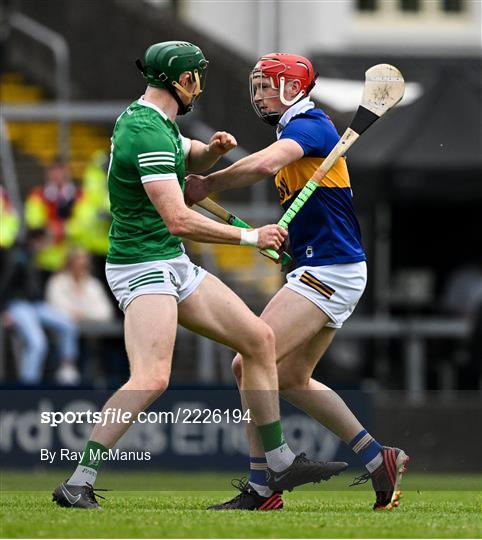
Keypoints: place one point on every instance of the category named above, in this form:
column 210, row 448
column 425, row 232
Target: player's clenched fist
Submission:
column 221, row 143
column 197, row 188
column 271, row 236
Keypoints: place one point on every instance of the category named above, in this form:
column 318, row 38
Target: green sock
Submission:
column 92, row 455
column 86, row 470
column 271, row 435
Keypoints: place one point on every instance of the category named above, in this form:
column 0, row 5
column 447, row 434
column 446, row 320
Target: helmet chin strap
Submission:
column 284, row 101
column 182, row 108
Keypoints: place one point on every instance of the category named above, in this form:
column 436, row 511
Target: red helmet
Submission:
column 278, row 68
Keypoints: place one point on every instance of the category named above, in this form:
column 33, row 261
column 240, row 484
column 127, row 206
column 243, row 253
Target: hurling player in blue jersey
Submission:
column 330, row 274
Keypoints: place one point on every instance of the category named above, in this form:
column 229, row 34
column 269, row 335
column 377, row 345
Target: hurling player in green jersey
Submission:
column 156, row 284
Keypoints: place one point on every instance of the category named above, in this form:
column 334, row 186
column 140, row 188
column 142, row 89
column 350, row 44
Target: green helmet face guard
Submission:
column 165, row 62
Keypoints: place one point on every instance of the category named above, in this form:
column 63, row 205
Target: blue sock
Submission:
column 257, row 475
column 367, row 449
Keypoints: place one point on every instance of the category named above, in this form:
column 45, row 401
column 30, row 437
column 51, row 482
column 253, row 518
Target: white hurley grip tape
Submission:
column 249, row 238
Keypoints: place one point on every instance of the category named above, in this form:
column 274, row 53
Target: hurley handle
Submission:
column 220, row 212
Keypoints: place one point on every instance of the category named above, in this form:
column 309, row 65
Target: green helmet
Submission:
column 165, row 62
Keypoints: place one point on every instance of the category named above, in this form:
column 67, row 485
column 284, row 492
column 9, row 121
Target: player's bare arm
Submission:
column 181, row 221
column 246, row 171
column 203, row 156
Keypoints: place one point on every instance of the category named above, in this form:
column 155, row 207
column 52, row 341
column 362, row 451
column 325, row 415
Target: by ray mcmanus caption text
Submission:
column 95, row 456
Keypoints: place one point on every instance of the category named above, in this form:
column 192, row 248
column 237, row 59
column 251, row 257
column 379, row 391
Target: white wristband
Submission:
column 249, row 238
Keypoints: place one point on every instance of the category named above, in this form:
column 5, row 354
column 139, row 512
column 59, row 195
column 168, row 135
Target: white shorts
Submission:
column 335, row 289
column 177, row 277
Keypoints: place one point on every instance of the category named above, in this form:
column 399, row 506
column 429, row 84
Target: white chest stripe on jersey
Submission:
column 146, row 154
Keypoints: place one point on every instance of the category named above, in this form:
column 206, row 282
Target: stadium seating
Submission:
column 40, row 139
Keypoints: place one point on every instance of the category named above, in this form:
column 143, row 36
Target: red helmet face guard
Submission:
column 272, row 72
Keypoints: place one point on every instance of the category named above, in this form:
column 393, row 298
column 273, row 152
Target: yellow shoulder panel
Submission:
column 293, row 177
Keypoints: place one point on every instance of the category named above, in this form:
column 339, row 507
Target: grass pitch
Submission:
column 432, row 506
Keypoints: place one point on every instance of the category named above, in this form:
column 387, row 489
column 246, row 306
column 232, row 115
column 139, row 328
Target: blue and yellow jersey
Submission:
column 326, row 230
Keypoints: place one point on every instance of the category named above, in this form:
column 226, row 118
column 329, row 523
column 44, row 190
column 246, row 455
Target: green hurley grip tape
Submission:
column 236, row 222
column 298, row 203
column 294, row 208
column 271, row 253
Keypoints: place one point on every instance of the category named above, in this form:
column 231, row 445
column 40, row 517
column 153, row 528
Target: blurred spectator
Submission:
column 77, row 293
column 91, row 218
column 23, row 309
column 10, row 222
column 49, row 207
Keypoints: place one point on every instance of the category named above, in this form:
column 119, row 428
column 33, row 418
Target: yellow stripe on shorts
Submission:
column 316, row 284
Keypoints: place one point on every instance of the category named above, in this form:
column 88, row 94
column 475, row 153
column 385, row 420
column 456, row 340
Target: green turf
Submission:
column 318, row 513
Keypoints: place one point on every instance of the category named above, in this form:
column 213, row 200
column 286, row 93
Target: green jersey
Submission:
column 146, row 147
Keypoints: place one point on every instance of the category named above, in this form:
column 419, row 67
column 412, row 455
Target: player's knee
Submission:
column 262, row 341
column 156, row 383
column 160, row 383
column 289, row 379
column 237, row 367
